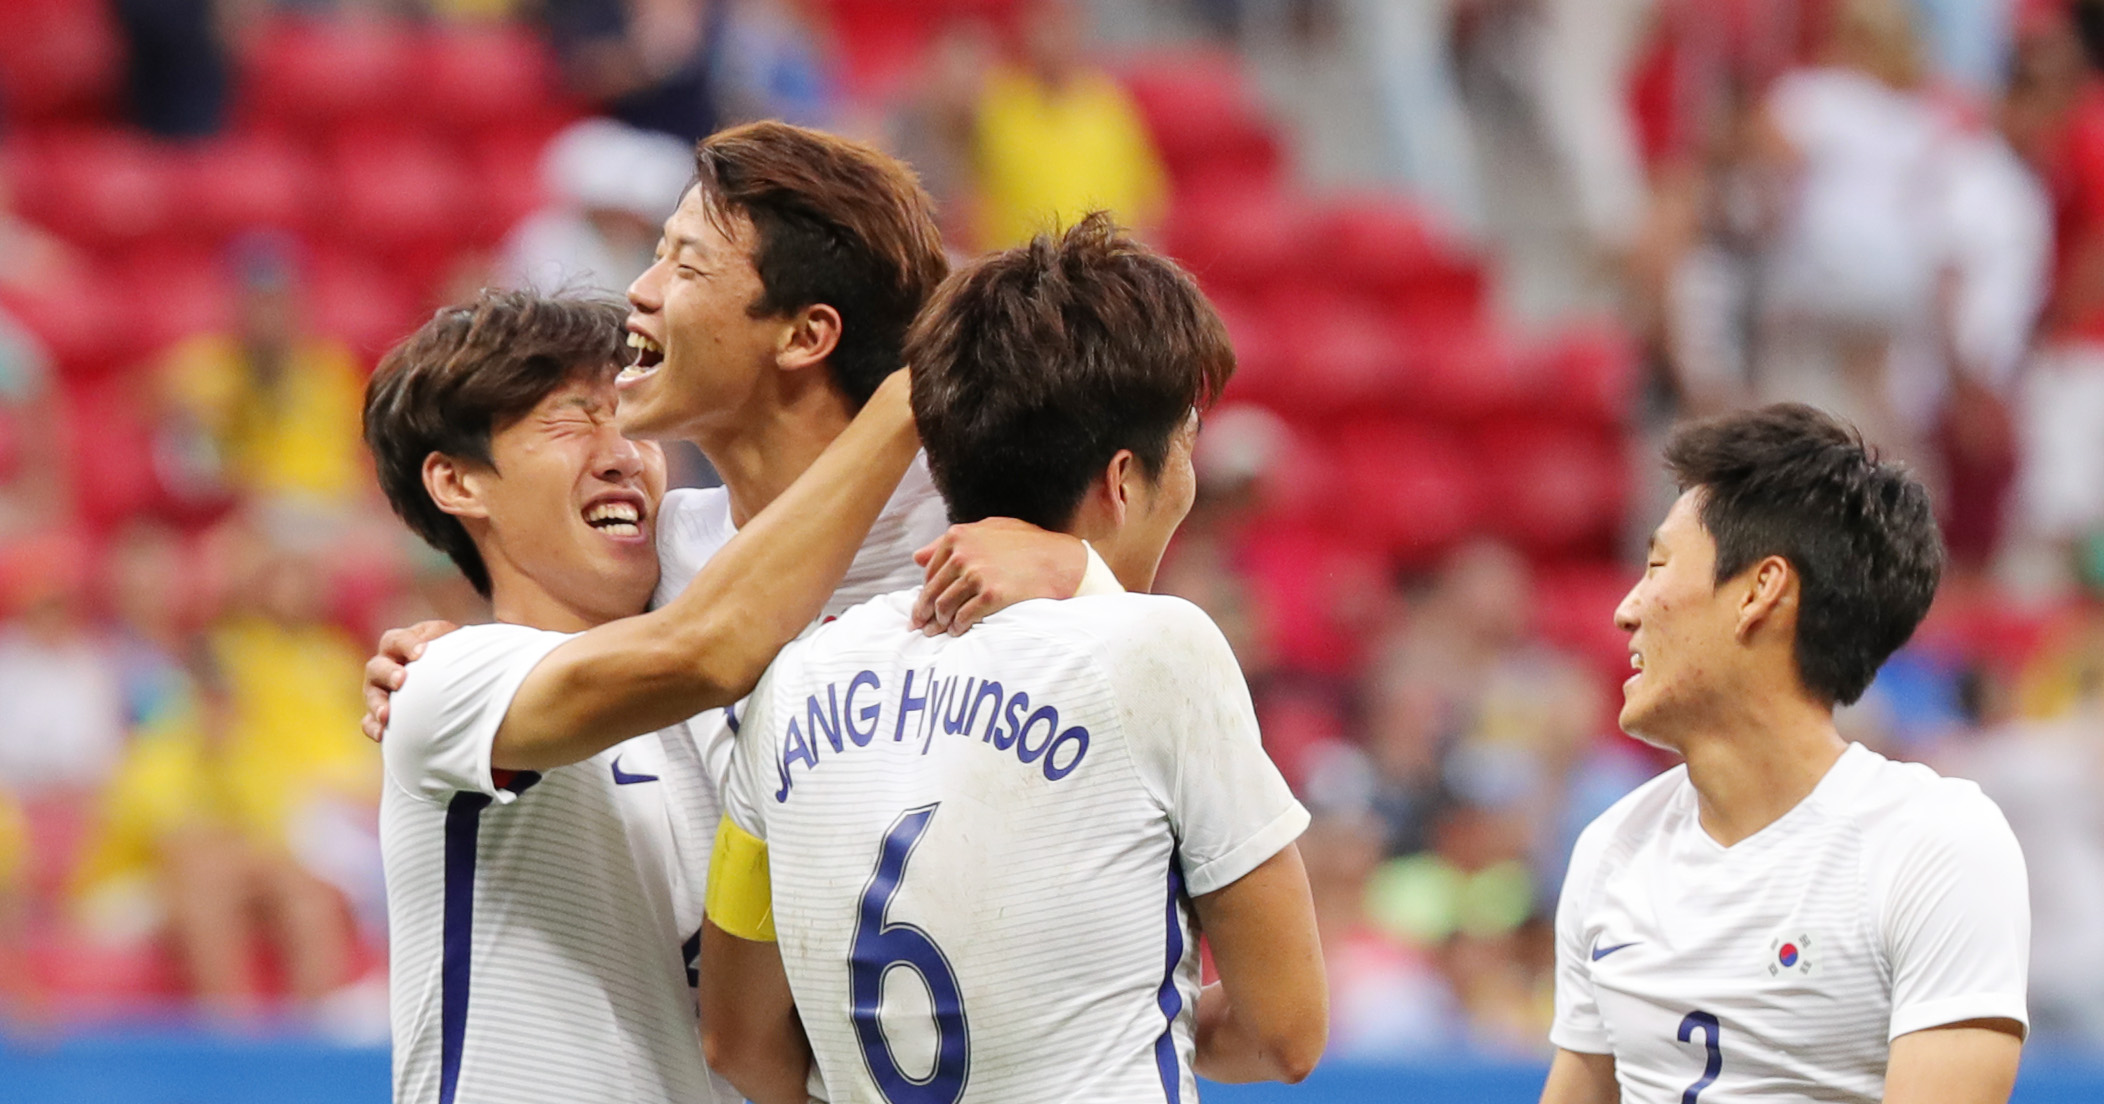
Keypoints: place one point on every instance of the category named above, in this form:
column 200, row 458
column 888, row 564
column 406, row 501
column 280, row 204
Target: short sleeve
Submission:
column 752, row 778
column 1957, row 918
column 443, row 721
column 1193, row 733
column 692, row 524
column 1578, row 1025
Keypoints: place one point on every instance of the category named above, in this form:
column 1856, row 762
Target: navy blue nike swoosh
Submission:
column 622, row 778
column 1602, row 952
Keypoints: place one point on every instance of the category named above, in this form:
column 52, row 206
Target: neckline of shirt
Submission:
column 1836, row 779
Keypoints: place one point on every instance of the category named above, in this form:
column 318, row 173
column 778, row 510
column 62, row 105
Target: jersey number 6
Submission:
column 880, row 946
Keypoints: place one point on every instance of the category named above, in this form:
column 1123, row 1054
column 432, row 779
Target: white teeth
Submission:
column 1636, row 661
column 638, row 341
column 622, row 515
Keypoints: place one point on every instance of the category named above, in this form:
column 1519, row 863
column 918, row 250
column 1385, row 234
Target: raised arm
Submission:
column 1268, row 1017
column 709, row 646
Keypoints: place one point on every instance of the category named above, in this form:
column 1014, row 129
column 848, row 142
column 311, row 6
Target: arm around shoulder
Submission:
column 709, row 646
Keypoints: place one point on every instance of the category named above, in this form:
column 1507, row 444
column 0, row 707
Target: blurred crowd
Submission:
column 1891, row 208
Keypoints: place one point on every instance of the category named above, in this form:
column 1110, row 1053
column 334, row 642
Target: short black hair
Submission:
column 472, row 370
column 1033, row 366
column 1791, row 481
column 835, row 221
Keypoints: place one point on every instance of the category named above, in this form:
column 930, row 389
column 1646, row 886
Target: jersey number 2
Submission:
column 880, row 946
column 1712, row 1042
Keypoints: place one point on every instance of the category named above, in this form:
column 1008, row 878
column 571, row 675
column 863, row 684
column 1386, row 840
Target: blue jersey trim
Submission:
column 463, row 825
column 1169, row 997
column 463, row 833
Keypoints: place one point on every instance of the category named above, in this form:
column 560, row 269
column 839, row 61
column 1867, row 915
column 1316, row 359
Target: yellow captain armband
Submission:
column 741, row 896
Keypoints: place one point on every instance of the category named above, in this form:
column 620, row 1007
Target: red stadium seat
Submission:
column 175, row 293
column 506, row 187
column 1310, row 588
column 1387, row 250
column 307, row 73
column 1205, row 122
column 1558, row 489
column 1344, row 354
column 480, row 76
column 1241, row 239
column 1589, row 375
column 79, row 341
column 246, row 183
column 1407, row 487
column 1262, row 372
column 113, row 469
column 57, row 58
column 351, row 299
column 85, row 978
column 397, row 192
column 1462, row 373
column 103, row 187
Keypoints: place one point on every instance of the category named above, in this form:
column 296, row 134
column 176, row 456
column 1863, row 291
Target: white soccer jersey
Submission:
column 693, row 525
column 984, row 847
column 535, row 953
column 1888, row 901
column 543, row 933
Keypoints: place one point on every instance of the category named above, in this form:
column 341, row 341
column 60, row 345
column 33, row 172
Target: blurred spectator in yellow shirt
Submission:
column 1058, row 138
column 240, row 810
column 270, row 409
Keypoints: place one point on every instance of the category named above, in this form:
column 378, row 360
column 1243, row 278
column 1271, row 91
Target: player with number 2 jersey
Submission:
column 1787, row 916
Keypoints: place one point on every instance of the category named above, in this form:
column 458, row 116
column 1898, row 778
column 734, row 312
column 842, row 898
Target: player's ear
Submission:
column 811, row 336
column 1768, row 592
column 1121, row 479
column 456, row 487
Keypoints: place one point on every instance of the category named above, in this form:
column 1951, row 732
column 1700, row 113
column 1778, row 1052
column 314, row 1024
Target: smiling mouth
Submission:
column 616, row 519
column 649, row 355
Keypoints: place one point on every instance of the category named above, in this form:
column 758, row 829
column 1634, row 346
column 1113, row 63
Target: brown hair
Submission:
column 470, row 371
column 837, row 222
column 1032, row 367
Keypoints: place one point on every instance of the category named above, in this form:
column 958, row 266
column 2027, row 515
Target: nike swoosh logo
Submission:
column 623, row 778
column 1602, row 952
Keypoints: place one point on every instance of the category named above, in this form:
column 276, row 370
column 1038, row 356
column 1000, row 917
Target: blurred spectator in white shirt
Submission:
column 1852, row 267
column 610, row 186
column 61, row 696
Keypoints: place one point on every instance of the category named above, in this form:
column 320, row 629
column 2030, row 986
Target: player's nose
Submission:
column 1625, row 611
column 643, row 292
column 619, row 460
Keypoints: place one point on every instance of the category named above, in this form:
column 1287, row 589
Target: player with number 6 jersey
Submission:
column 980, row 865
column 1787, row 916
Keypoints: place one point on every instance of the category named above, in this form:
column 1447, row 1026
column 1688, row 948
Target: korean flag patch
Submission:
column 1796, row 952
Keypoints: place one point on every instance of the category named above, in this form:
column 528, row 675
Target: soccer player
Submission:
column 1786, row 916
column 530, row 824
column 991, row 855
